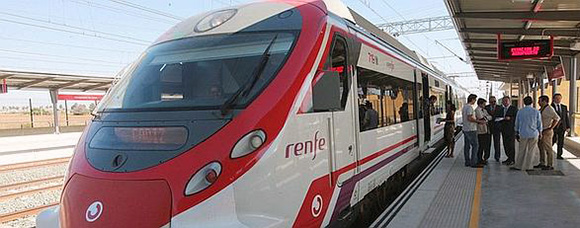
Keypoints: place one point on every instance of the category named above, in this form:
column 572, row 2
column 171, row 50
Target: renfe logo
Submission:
column 316, row 206
column 94, row 211
column 306, row 147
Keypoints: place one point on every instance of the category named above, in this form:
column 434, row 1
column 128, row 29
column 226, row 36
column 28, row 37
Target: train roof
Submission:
column 369, row 27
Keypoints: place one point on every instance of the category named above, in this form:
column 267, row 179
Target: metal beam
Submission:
column 31, row 83
column 6, row 76
column 573, row 32
column 560, row 15
column 96, row 86
column 510, row 72
column 549, row 62
column 69, row 84
column 494, row 50
column 512, row 68
column 504, row 64
column 514, row 62
column 557, row 43
column 417, row 26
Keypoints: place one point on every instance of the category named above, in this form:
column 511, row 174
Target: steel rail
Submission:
column 22, row 213
column 22, row 184
column 32, row 164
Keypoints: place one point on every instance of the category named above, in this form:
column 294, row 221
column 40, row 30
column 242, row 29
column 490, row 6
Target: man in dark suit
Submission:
column 507, row 118
column 564, row 124
column 493, row 109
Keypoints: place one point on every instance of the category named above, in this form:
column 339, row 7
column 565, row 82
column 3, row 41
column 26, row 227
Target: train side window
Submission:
column 436, row 102
column 388, row 98
column 419, row 87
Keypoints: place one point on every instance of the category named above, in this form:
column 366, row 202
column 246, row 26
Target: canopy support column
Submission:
column 541, row 84
column 573, row 96
column 535, row 92
column 54, row 99
column 521, row 93
column 554, row 87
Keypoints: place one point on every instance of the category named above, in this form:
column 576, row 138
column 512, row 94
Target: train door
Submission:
column 419, row 109
column 426, row 108
column 343, row 120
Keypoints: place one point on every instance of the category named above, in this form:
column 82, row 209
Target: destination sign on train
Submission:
column 528, row 49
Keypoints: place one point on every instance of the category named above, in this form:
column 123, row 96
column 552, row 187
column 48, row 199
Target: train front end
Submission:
column 197, row 110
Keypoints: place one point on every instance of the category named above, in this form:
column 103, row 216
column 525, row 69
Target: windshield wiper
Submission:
column 249, row 85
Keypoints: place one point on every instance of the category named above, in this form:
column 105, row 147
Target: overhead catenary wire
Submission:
column 446, row 48
column 58, row 61
column 400, row 15
column 61, row 70
column 386, row 21
column 146, row 9
column 121, row 11
column 75, row 27
column 67, row 45
column 60, row 56
column 74, row 32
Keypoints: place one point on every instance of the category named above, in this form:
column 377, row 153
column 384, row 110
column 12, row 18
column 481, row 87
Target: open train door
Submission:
column 333, row 92
column 343, row 119
column 426, row 108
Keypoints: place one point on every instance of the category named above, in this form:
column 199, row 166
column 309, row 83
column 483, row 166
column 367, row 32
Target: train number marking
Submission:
column 94, row 211
column 306, row 147
column 316, row 206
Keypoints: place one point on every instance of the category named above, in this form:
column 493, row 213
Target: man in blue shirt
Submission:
column 528, row 127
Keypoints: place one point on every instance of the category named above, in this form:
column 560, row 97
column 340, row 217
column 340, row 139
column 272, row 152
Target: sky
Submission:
column 99, row 37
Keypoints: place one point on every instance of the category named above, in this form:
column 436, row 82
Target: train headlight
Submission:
column 248, row 144
column 203, row 178
column 214, row 20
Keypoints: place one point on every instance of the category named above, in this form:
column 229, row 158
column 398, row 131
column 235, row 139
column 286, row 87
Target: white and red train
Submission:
column 254, row 116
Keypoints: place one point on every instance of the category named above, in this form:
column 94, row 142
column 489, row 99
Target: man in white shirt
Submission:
column 549, row 121
column 470, row 132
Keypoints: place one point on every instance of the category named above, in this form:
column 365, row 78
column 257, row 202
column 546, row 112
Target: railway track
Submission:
column 33, row 164
column 29, row 183
column 30, row 192
column 15, row 190
column 22, row 213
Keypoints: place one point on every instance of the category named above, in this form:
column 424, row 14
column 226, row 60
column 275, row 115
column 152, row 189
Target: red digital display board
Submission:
column 80, row 97
column 528, row 49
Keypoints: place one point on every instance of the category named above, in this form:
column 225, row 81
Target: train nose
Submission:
column 90, row 202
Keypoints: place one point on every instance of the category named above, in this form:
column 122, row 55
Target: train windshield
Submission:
column 202, row 73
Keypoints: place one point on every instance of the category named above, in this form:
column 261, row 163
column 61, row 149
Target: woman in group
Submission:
column 483, row 132
column 449, row 130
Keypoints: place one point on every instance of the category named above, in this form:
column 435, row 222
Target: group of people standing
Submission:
column 535, row 130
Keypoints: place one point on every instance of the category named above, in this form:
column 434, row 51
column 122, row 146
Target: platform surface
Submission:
column 16, row 149
column 452, row 197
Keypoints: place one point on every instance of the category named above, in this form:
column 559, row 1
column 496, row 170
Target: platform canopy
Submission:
column 54, row 81
column 479, row 22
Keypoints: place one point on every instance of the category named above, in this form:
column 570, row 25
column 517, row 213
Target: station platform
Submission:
column 17, row 149
column 453, row 195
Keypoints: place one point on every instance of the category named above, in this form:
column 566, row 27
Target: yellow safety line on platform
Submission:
column 474, row 220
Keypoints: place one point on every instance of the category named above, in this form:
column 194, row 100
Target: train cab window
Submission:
column 389, row 98
column 334, row 80
column 202, row 73
column 338, row 64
